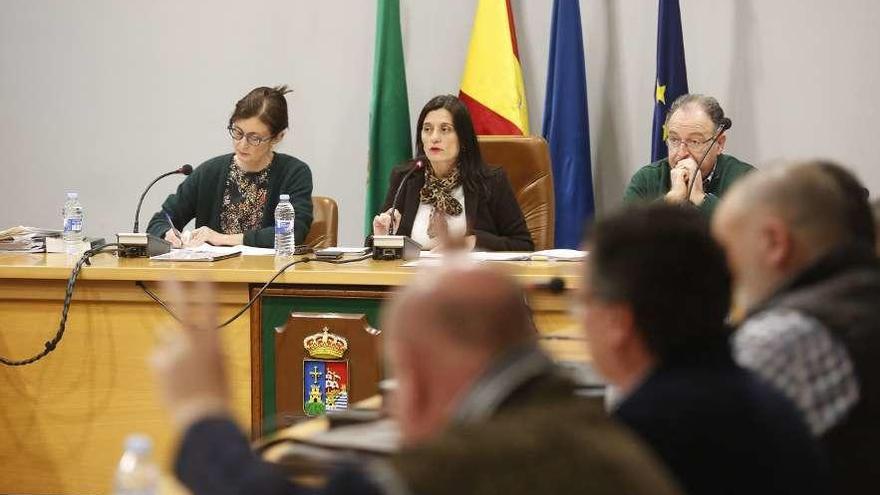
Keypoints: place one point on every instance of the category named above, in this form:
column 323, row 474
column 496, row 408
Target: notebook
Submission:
column 190, row 255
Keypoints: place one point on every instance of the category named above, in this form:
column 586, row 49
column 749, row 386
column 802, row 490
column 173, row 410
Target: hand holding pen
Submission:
column 174, row 236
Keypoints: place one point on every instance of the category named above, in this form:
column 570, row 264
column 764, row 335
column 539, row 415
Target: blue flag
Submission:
column 566, row 124
column 671, row 81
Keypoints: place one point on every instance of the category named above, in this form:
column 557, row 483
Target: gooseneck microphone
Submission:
column 185, row 170
column 134, row 244
column 392, row 246
column 554, row 285
column 418, row 165
column 723, row 125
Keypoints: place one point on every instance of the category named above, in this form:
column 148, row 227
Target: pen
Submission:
column 173, row 228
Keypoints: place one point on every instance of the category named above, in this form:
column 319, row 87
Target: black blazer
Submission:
column 721, row 431
column 495, row 219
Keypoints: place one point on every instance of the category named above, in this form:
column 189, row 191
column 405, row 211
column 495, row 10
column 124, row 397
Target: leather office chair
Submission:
column 526, row 159
column 325, row 223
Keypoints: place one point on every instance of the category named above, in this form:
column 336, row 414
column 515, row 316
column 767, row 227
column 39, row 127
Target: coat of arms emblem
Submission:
column 325, row 373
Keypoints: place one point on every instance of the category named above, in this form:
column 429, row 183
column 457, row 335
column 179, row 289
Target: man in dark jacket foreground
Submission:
column 656, row 292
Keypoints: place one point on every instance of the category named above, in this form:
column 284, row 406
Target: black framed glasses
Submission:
column 252, row 139
column 694, row 145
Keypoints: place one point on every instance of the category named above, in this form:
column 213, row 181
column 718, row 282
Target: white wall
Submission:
column 100, row 96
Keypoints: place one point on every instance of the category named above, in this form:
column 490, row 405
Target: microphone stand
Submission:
column 723, row 126
column 417, row 166
column 137, row 212
column 392, row 247
column 134, row 244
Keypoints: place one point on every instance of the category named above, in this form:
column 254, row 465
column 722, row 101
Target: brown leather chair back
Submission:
column 526, row 159
column 325, row 223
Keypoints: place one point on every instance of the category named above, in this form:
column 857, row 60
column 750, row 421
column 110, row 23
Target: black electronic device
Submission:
column 395, row 247
column 140, row 245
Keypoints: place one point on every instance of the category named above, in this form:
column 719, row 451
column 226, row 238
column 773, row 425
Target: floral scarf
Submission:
column 244, row 200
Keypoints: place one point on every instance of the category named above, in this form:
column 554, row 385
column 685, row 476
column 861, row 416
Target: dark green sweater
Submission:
column 200, row 196
column 652, row 181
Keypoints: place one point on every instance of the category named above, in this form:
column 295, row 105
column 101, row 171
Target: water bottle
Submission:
column 73, row 224
column 137, row 474
column 284, row 215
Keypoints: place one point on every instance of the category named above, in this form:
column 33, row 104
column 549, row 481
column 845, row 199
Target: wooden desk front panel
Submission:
column 63, row 419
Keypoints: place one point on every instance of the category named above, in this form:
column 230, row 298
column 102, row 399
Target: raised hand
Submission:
column 188, row 361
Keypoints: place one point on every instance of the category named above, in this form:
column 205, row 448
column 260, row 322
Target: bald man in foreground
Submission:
column 800, row 243
column 480, row 408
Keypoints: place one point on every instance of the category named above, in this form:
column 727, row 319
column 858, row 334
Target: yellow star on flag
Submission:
column 660, row 92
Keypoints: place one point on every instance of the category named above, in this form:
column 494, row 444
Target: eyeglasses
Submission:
column 251, row 138
column 693, row 145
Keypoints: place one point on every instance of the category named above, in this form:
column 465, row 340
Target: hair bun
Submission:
column 282, row 90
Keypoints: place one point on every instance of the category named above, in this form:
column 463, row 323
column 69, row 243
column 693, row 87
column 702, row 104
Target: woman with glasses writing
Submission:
column 696, row 170
column 454, row 196
column 233, row 196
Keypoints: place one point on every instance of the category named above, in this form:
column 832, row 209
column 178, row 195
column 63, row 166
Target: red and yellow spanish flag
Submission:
column 492, row 85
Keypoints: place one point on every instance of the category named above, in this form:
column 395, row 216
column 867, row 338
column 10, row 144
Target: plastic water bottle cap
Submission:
column 285, row 197
column 138, row 443
column 72, row 195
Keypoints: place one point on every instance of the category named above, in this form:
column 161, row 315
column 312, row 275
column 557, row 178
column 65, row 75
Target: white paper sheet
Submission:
column 547, row 254
column 245, row 250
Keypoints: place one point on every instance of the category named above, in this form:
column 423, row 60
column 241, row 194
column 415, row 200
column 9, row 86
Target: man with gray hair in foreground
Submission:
column 800, row 243
column 481, row 408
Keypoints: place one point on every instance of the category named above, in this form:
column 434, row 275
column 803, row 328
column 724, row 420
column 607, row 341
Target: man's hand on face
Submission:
column 680, row 176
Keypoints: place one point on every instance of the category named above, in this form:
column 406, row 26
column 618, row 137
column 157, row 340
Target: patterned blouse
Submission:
column 244, row 199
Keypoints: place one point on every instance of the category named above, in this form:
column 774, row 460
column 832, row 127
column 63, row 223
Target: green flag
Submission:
column 390, row 142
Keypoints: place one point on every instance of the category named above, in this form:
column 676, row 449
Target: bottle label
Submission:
column 283, row 226
column 73, row 224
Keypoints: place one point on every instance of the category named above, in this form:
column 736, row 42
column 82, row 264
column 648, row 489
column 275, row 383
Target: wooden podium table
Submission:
column 63, row 419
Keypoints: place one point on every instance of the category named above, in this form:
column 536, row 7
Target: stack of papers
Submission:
column 560, row 255
column 342, row 250
column 26, row 239
column 429, row 258
column 194, row 255
column 241, row 248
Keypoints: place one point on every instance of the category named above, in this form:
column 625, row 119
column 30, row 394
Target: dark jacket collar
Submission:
column 843, row 258
column 504, row 376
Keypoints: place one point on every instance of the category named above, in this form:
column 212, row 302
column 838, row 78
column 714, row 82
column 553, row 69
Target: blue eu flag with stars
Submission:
column 566, row 124
column 671, row 81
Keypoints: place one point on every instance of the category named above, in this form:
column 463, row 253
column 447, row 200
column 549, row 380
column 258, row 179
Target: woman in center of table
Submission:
column 454, row 194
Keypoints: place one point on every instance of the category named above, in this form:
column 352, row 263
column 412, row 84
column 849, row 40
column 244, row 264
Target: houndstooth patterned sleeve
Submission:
column 797, row 354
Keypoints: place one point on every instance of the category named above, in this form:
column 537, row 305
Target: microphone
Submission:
column 392, row 246
column 555, row 285
column 133, row 244
column 418, row 165
column 185, row 170
column 723, row 125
